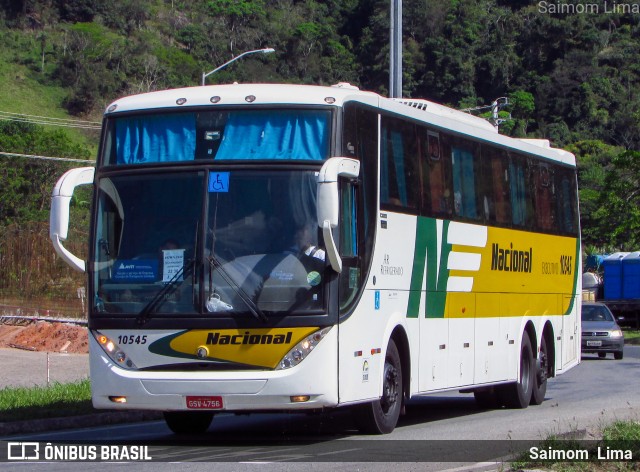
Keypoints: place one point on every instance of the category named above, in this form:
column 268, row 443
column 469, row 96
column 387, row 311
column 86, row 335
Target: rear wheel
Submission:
column 602, row 355
column 381, row 416
column 183, row 422
column 518, row 395
column 540, row 375
column 618, row 355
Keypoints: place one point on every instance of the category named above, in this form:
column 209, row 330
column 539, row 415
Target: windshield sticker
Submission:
column 136, row 270
column 219, row 182
column 282, row 275
column 172, row 264
column 314, row 278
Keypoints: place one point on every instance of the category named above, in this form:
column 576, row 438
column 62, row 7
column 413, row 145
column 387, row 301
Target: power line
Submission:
column 46, row 158
column 48, row 120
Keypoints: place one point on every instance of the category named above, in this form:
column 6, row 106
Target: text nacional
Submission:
column 511, row 260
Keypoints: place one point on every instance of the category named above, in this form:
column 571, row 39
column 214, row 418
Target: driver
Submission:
column 304, row 244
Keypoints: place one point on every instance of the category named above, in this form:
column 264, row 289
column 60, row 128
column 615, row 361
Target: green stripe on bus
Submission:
column 576, row 268
column 437, row 279
column 417, row 272
column 426, row 254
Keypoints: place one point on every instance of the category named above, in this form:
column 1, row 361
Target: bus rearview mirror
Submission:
column 329, row 201
column 59, row 216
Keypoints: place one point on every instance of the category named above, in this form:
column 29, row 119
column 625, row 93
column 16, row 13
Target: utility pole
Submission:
column 395, row 55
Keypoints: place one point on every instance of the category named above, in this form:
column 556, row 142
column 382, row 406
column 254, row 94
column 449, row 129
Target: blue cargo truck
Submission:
column 621, row 282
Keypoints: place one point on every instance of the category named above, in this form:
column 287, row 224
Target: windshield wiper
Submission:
column 253, row 308
column 169, row 287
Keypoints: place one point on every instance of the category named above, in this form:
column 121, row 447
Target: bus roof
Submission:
column 425, row 111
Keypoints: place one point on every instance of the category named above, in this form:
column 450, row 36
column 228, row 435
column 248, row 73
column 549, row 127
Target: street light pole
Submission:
column 263, row 51
column 395, row 50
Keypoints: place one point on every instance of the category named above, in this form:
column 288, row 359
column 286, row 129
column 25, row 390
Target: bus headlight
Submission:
column 301, row 350
column 115, row 353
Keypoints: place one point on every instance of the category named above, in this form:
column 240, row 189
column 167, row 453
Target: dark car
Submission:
column 600, row 332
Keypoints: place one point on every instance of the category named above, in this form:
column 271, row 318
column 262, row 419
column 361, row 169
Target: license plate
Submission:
column 594, row 343
column 204, row 403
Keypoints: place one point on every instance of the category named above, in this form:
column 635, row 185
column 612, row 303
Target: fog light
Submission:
column 118, row 399
column 300, row 398
column 202, row 352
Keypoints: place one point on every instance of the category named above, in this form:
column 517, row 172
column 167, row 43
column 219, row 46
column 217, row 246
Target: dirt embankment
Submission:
column 45, row 336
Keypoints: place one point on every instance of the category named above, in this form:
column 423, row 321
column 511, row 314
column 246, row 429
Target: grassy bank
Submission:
column 57, row 400
column 631, row 336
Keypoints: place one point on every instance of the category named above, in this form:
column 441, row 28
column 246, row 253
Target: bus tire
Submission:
column 541, row 374
column 381, row 416
column 518, row 394
column 184, row 422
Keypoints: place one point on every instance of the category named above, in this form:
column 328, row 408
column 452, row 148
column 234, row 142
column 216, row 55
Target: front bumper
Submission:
column 249, row 390
column 594, row 344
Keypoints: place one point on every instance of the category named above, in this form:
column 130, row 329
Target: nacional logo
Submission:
column 510, row 259
column 247, row 338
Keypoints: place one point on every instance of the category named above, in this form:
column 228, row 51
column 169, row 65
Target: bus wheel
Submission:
column 184, row 422
column 540, row 375
column 518, row 394
column 381, row 416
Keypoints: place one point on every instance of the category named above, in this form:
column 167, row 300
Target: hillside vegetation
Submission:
column 571, row 76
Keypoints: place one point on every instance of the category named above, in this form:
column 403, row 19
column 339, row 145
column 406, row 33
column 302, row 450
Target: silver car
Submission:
column 600, row 332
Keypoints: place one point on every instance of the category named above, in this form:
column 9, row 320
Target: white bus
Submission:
column 286, row 248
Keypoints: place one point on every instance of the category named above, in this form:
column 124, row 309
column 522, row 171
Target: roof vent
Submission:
column 415, row 103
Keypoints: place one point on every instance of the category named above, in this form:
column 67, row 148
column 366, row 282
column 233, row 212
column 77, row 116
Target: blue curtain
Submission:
column 156, row 138
column 286, row 134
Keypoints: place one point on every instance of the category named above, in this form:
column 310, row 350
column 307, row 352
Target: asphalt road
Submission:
column 448, row 431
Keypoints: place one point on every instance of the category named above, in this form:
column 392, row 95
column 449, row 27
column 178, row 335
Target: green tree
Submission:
column 619, row 202
column 593, row 159
column 522, row 107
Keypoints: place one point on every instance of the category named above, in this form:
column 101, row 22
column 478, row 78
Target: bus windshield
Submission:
column 292, row 134
column 208, row 243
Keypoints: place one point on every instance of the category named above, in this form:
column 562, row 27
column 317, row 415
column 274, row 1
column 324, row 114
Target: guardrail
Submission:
column 21, row 320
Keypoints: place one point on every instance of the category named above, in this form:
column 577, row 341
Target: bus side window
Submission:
column 436, row 181
column 356, row 231
column 518, row 191
column 348, row 221
column 495, row 175
column 567, row 212
column 399, row 176
column 348, row 240
column 464, row 186
column 544, row 195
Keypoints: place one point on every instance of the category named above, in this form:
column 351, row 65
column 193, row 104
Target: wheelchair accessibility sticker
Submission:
column 218, row 182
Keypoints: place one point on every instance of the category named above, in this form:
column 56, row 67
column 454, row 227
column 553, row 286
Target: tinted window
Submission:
column 399, row 172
